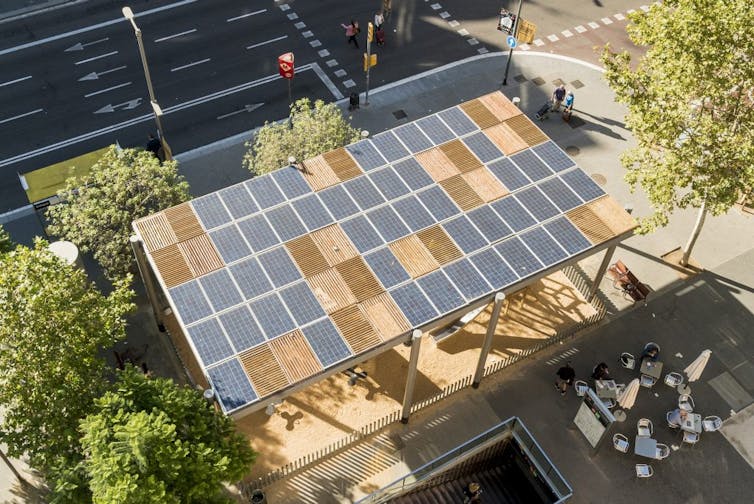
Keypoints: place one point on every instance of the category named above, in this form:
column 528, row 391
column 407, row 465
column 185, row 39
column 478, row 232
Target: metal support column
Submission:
column 416, row 342
column 600, row 273
column 149, row 280
column 479, row 373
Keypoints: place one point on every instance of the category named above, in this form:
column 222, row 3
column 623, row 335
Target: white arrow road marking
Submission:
column 80, row 46
column 106, row 90
column 96, row 57
column 267, row 42
column 189, row 65
column 126, row 106
column 20, row 116
column 96, row 75
column 245, row 15
column 174, row 36
column 14, row 81
column 246, row 108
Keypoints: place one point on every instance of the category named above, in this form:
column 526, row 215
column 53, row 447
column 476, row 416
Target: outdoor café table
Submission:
column 653, row 369
column 693, row 423
column 605, row 389
column 645, row 446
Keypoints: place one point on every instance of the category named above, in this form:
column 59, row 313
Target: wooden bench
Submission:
column 627, row 281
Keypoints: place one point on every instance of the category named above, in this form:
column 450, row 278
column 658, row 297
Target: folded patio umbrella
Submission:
column 627, row 398
column 694, row 370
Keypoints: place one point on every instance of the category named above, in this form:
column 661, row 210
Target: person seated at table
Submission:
column 651, row 352
column 677, row 416
column 601, row 372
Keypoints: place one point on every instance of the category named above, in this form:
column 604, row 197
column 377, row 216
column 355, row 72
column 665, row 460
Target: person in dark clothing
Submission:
column 651, row 351
column 154, row 146
column 566, row 375
column 472, row 493
column 601, row 372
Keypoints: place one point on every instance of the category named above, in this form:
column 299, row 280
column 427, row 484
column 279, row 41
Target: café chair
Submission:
column 685, row 402
column 609, row 403
column 663, row 451
column 647, row 381
column 627, row 360
column 673, row 379
column 644, row 471
column 644, row 427
column 672, row 425
column 690, row 437
column 712, row 423
column 580, row 386
column 621, row 443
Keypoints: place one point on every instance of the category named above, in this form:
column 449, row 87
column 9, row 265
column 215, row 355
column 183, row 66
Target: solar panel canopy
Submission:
column 285, row 276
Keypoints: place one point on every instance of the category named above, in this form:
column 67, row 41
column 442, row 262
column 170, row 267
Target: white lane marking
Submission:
column 619, row 17
column 80, row 46
column 567, row 33
column 15, row 80
column 593, row 25
column 96, row 75
column 539, row 43
column 175, row 36
column 580, row 29
column 20, row 116
column 326, row 81
column 96, row 57
column 108, row 89
column 267, row 42
column 246, row 108
column 93, row 27
column 230, row 20
column 552, row 38
column 606, row 21
column 190, row 65
column 130, row 104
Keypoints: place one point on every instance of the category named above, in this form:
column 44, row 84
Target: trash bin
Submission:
column 258, row 497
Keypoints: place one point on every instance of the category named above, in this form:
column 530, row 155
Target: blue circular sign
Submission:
column 511, row 41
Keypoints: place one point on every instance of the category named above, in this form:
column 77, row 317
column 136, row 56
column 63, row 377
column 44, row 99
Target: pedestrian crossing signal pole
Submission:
column 515, row 33
column 368, row 58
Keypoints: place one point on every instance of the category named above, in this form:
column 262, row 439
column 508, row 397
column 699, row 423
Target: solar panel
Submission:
column 302, row 303
column 366, row 155
column 544, row 247
column 489, row 223
column 413, row 138
column 291, row 182
column 509, row 174
column 361, row 233
column 265, row 192
column 285, row 222
column 531, row 165
column 258, row 233
column 441, row 291
column 389, row 146
column 326, row 342
column 536, row 203
column 220, row 290
column 241, row 328
column 413, row 213
column 229, row 242
column 279, row 267
column 190, row 302
column 272, row 316
column 555, row 158
column 438, row 203
column 467, row 279
column 560, row 194
column 523, row 262
column 389, row 183
column 210, row 342
column 413, row 174
column 482, row 146
column 387, row 223
column 232, row 385
column 458, row 121
column 492, row 267
column 583, row 185
column 250, row 278
column 311, row 210
column 414, row 304
column 211, row 211
column 569, row 237
column 435, row 129
column 466, row 236
column 387, row 268
column 513, row 213
column 338, row 202
column 364, row 193
column 238, row 200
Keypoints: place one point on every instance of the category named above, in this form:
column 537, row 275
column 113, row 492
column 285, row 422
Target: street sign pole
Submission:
column 510, row 53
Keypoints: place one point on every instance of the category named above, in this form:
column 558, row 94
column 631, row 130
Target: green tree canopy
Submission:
column 5, row 244
column 690, row 105
column 151, row 441
column 53, row 326
column 98, row 210
column 310, row 131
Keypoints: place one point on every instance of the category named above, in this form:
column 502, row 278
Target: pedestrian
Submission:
column 379, row 20
column 651, row 352
column 677, row 416
column 351, row 31
column 557, row 97
column 601, row 372
column 379, row 36
column 353, row 101
column 154, row 146
column 387, row 8
column 566, row 375
column 472, row 493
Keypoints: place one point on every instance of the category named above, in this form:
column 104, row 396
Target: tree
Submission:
column 99, row 208
column 690, row 106
column 151, row 441
column 309, row 131
column 5, row 244
column 53, row 326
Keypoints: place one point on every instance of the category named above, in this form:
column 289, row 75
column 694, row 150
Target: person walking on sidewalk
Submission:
column 566, row 375
column 557, row 97
column 379, row 20
column 351, row 31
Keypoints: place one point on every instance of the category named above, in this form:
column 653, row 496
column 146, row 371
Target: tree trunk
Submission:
column 13, row 469
column 695, row 234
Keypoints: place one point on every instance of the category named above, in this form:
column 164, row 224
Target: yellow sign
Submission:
column 372, row 62
column 525, row 32
column 370, row 32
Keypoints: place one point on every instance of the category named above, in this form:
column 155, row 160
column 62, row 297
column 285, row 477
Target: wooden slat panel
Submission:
column 385, row 316
column 414, row 256
column 460, row 156
column 356, row 329
column 341, row 162
column 333, row 243
column 263, row 370
column 506, row 139
column 594, row 228
column 439, row 244
column 359, row 278
column 437, row 164
column 480, row 114
column 500, row 105
column 184, row 222
column 462, row 193
column 307, row 255
column 200, row 255
column 602, row 219
column 485, row 184
column 331, row 290
column 527, row 130
column 172, row 266
column 295, row 356
column 156, row 232
column 318, row 173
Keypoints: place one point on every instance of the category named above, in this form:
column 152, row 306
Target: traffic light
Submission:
column 370, row 32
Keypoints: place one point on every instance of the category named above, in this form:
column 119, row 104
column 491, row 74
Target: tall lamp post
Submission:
column 129, row 15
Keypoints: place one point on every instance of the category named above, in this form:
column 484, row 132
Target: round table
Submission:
column 620, row 415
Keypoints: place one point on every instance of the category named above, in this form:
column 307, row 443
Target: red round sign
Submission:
column 285, row 65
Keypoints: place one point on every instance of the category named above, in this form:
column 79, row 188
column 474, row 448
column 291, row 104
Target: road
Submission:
column 71, row 79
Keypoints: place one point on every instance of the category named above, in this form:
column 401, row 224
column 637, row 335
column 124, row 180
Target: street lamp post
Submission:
column 515, row 33
column 129, row 15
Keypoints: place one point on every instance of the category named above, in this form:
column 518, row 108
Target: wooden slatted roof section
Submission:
column 460, row 156
column 385, row 316
column 602, row 220
column 342, row 164
column 439, row 244
column 462, row 193
column 437, row 164
column 264, row 370
column 331, row 290
column 295, row 356
column 499, row 105
column 183, row 221
column 307, row 255
column 485, row 184
column 172, row 266
column 156, row 232
column 200, row 255
column 506, row 138
column 526, row 130
column 334, row 245
column 479, row 113
column 356, row 329
column 318, row 173
column 359, row 278
column 415, row 258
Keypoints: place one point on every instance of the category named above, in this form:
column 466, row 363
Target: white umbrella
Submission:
column 627, row 398
column 694, row 370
